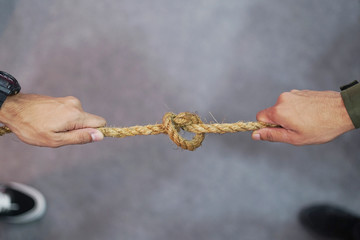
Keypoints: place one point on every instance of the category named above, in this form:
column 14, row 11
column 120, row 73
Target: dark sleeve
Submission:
column 351, row 97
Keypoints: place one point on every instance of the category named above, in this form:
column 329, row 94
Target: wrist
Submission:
column 9, row 108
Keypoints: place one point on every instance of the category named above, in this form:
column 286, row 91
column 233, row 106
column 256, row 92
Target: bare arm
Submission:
column 50, row 122
column 307, row 117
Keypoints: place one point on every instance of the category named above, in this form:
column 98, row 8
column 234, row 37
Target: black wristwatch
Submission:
column 9, row 86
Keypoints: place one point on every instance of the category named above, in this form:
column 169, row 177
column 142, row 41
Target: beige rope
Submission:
column 172, row 124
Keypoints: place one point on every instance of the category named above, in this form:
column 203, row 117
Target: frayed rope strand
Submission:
column 172, row 124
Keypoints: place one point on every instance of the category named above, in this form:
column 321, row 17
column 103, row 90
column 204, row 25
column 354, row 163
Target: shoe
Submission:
column 330, row 221
column 20, row 203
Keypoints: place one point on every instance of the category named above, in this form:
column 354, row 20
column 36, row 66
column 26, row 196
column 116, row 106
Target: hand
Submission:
column 50, row 122
column 306, row 117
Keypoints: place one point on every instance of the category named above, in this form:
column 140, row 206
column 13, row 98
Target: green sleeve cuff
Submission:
column 351, row 98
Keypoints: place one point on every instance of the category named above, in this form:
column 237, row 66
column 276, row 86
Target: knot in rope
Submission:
column 174, row 123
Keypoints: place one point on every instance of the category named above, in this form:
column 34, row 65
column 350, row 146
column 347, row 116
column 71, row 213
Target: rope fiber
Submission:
column 172, row 124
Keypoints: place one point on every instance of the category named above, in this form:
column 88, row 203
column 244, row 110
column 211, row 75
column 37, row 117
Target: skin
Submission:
column 50, row 122
column 306, row 117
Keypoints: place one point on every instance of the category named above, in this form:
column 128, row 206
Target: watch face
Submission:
column 8, row 84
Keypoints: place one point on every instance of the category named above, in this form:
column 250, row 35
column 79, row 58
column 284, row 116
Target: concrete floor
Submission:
column 131, row 61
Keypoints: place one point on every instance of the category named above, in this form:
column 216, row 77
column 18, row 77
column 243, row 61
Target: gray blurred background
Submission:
column 131, row 61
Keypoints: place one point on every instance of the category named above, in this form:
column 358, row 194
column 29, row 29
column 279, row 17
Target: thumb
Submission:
column 272, row 135
column 81, row 136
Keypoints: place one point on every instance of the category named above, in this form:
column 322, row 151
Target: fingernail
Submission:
column 256, row 136
column 97, row 136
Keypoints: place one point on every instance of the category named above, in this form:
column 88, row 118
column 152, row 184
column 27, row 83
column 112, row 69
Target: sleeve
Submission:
column 351, row 96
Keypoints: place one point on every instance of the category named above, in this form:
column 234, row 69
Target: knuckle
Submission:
column 264, row 115
column 279, row 113
column 259, row 116
column 76, row 114
column 75, row 119
column 73, row 101
column 283, row 96
column 103, row 122
column 275, row 112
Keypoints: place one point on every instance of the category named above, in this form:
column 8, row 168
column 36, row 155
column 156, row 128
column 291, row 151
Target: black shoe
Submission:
column 20, row 203
column 329, row 221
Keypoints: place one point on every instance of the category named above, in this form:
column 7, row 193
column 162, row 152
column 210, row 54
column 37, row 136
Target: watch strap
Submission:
column 3, row 97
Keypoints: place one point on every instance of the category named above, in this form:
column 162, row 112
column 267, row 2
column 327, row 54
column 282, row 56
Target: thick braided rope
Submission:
column 172, row 124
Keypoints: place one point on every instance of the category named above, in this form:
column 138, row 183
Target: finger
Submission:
column 273, row 135
column 93, row 121
column 80, row 136
column 265, row 116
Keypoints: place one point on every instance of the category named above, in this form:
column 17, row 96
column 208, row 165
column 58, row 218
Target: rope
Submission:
column 172, row 124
